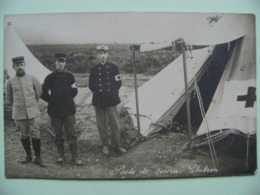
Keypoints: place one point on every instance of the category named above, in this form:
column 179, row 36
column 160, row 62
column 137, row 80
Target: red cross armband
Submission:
column 117, row 77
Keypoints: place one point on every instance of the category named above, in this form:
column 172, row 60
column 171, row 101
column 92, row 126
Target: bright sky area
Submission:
column 121, row 27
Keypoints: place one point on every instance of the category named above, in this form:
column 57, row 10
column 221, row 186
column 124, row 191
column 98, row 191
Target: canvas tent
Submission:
column 233, row 107
column 14, row 47
column 162, row 96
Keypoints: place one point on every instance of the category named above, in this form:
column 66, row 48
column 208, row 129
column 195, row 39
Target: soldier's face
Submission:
column 19, row 67
column 60, row 64
column 102, row 56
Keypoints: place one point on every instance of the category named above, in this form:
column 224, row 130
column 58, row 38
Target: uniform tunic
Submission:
column 23, row 93
column 58, row 90
column 105, row 82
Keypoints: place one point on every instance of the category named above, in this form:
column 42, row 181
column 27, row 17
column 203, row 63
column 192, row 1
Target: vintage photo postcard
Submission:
column 129, row 95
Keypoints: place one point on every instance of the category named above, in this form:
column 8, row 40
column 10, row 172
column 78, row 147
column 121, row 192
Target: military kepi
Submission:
column 18, row 59
column 102, row 48
column 60, row 56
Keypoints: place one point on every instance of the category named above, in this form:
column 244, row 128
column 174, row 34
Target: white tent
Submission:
column 14, row 47
column 233, row 107
column 162, row 96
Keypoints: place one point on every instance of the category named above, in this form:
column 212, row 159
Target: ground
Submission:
column 165, row 155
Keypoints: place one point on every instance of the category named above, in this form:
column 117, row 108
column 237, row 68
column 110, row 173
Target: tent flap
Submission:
column 14, row 47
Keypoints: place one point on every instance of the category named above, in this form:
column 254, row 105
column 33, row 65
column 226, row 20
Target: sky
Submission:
column 118, row 27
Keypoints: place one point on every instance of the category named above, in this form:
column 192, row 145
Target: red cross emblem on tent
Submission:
column 250, row 97
column 238, row 99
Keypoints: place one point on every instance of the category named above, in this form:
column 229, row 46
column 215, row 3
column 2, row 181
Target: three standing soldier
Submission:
column 59, row 89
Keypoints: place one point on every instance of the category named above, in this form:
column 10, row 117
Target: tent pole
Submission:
column 247, row 151
column 187, row 95
column 136, row 91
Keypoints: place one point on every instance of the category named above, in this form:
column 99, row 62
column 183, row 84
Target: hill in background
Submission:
column 81, row 57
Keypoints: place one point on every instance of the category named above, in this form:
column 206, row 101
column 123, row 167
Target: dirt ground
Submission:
column 165, row 155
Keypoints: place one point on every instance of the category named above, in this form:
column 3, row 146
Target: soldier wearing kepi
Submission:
column 105, row 82
column 23, row 91
column 59, row 89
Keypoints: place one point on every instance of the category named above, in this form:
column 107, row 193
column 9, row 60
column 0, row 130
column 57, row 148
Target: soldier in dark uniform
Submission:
column 105, row 82
column 59, row 89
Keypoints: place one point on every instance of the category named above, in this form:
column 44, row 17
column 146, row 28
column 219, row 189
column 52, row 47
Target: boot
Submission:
column 120, row 149
column 74, row 158
column 37, row 151
column 27, row 147
column 105, row 150
column 61, row 158
column 38, row 161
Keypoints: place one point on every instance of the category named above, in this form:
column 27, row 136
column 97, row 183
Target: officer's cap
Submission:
column 102, row 48
column 59, row 56
column 18, row 59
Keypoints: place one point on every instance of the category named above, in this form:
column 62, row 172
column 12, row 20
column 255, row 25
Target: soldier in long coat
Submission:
column 59, row 89
column 23, row 91
column 105, row 82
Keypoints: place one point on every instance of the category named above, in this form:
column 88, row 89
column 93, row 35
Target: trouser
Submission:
column 108, row 115
column 29, row 127
column 67, row 124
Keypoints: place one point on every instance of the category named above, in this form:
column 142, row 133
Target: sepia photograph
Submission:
column 129, row 95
